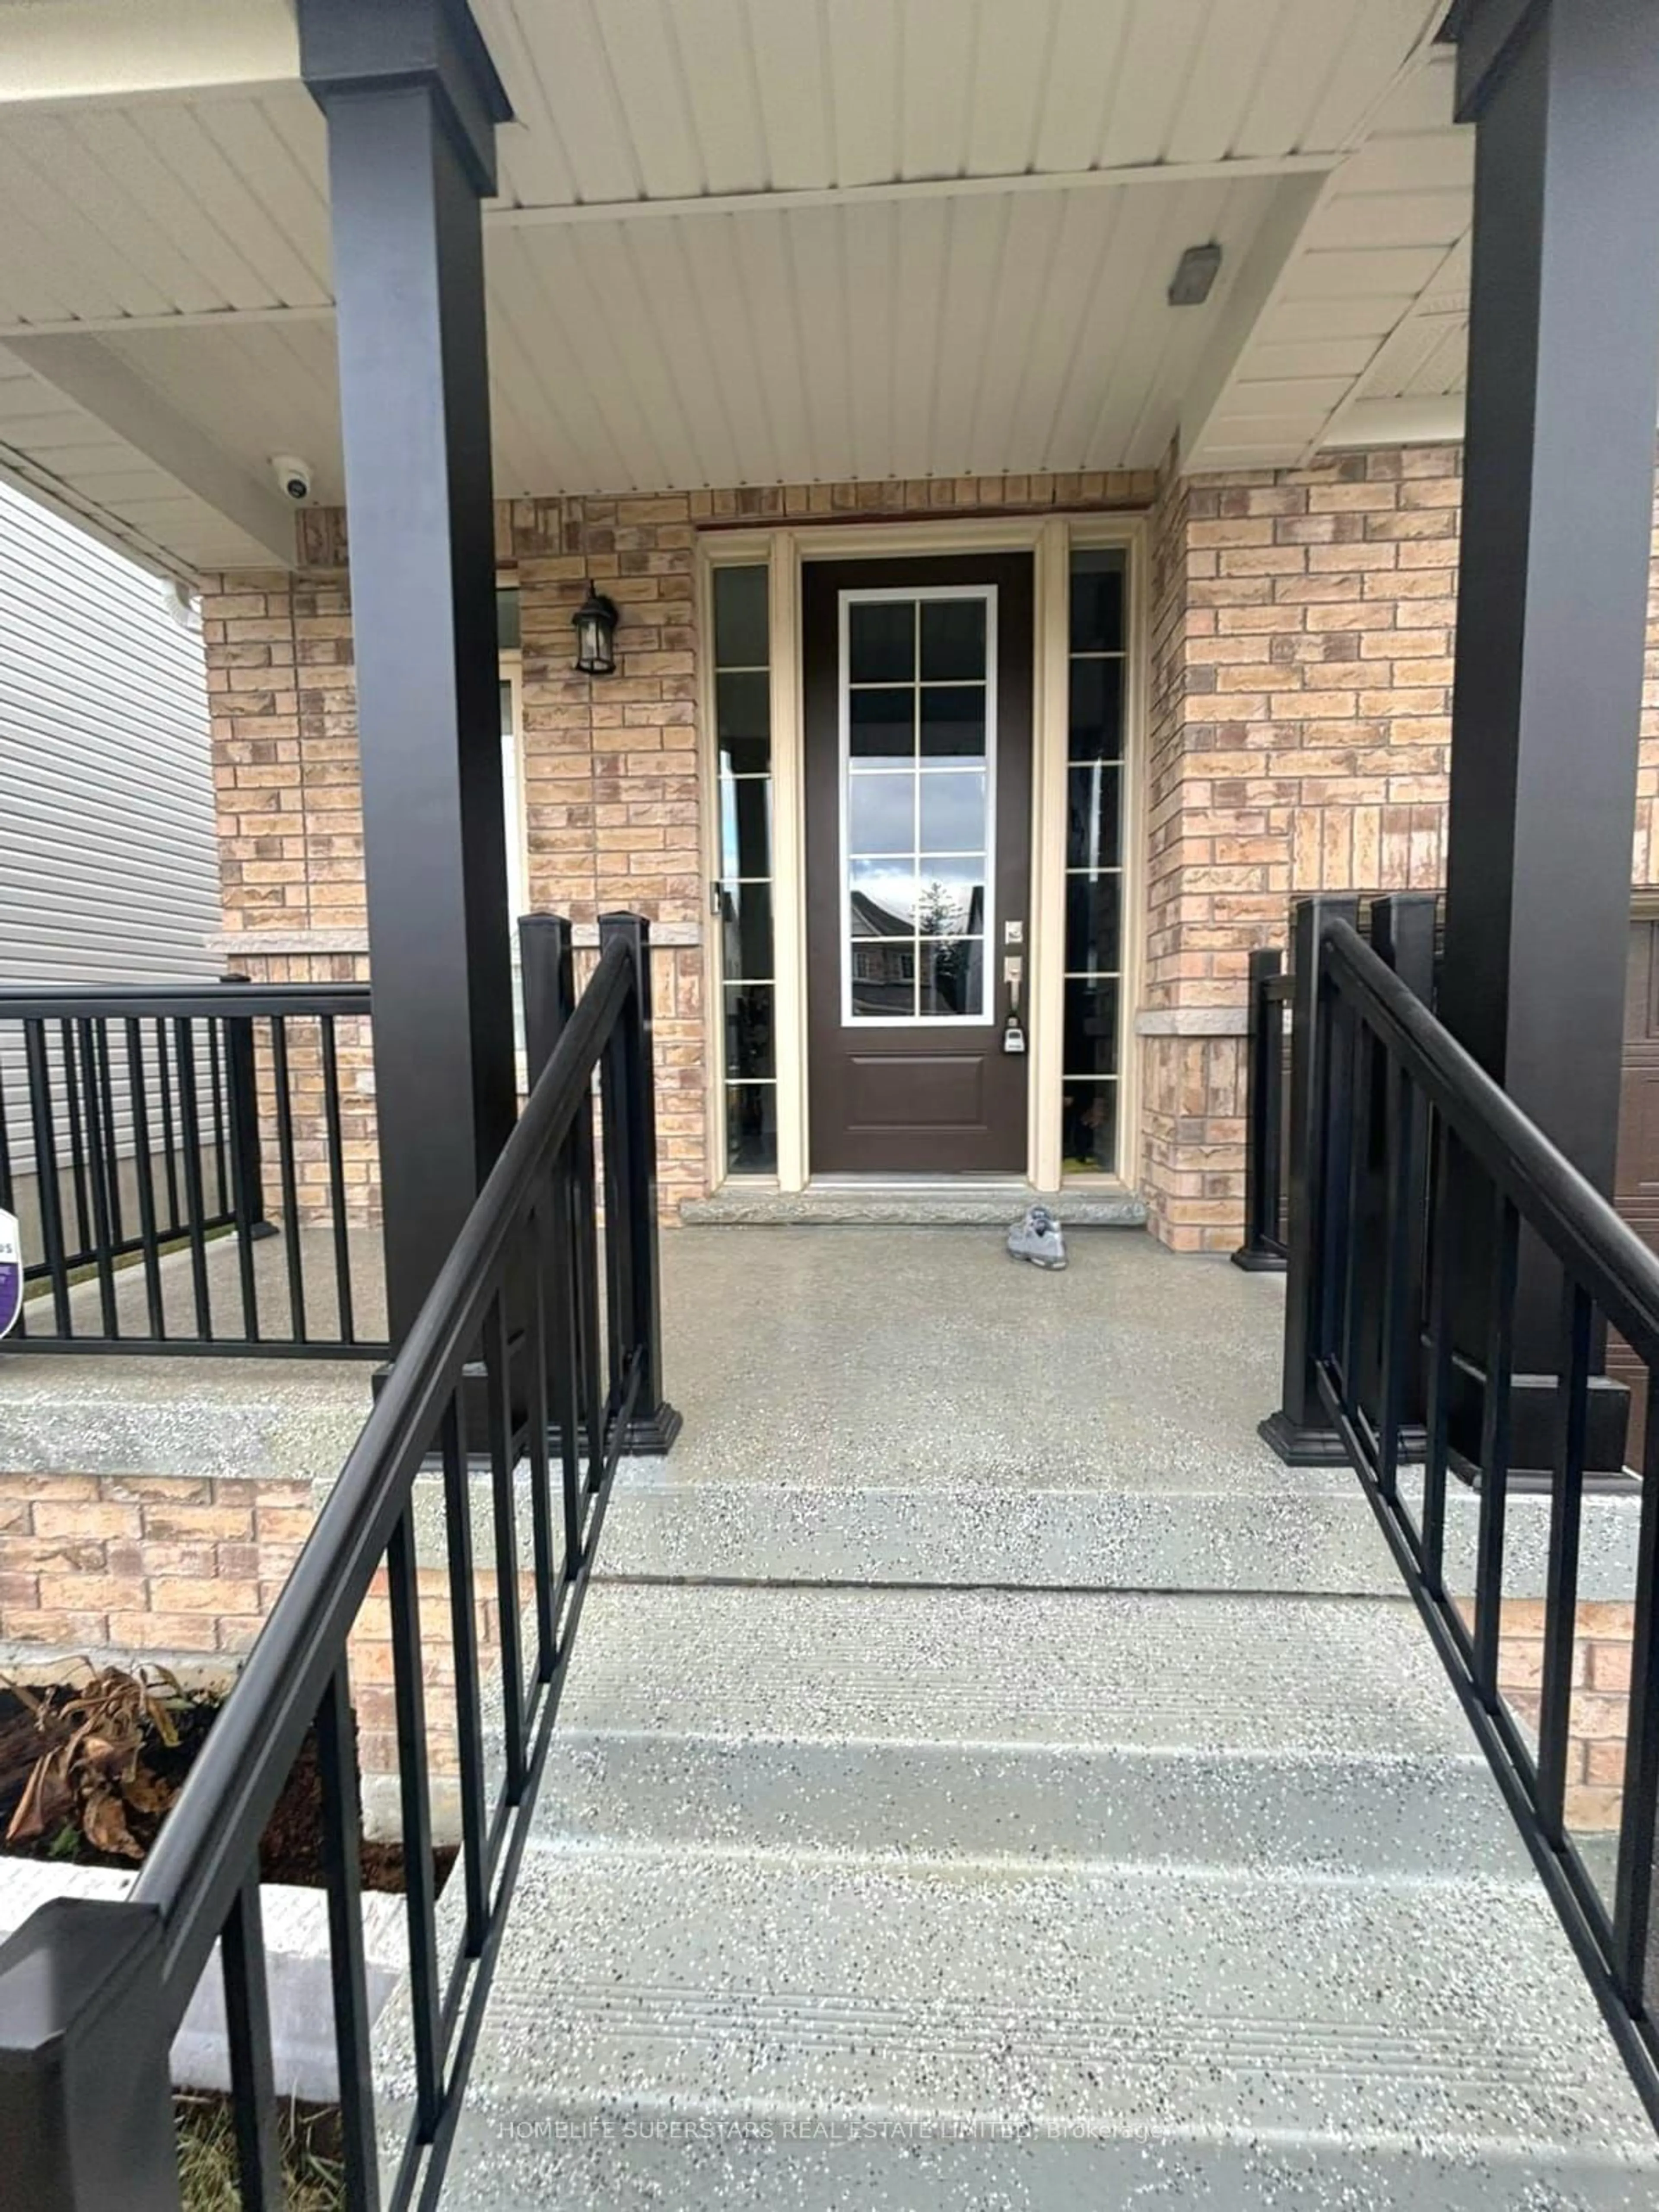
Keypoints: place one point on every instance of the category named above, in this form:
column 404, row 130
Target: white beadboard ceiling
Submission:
column 761, row 240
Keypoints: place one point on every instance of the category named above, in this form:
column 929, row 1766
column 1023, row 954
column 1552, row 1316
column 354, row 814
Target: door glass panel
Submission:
column 953, row 812
column 1094, row 856
column 952, row 722
column 881, row 814
column 1097, row 715
column 740, row 618
column 884, row 899
column 918, row 772
column 746, row 938
column 1092, row 825
column 749, row 1046
column 883, row 978
column 742, row 731
column 952, row 640
column 951, row 976
column 881, row 724
column 743, row 710
column 951, row 897
column 1091, row 924
column 746, row 826
column 881, row 641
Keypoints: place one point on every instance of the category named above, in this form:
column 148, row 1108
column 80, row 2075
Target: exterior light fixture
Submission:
column 1196, row 273
column 595, row 624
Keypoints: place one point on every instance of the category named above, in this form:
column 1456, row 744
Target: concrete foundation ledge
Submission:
column 297, row 1970
column 740, row 1206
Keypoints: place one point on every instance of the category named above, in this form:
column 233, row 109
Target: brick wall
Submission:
column 1599, row 1713
column 183, row 1569
column 611, row 787
column 1301, row 745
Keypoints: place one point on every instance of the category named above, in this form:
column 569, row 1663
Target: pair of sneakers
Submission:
column 1038, row 1237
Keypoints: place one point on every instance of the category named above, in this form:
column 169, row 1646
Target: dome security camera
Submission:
column 293, row 477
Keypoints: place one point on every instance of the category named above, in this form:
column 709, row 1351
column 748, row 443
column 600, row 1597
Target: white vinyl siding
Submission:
column 108, row 866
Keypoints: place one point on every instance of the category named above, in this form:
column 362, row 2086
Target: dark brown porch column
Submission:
column 412, row 100
column 1552, row 587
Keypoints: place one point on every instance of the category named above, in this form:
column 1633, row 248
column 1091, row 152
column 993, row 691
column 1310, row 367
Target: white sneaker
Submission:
column 1036, row 1237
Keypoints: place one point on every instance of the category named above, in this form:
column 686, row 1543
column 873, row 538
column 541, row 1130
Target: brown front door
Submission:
column 918, row 730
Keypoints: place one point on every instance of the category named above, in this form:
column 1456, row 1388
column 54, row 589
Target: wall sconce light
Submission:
column 595, row 624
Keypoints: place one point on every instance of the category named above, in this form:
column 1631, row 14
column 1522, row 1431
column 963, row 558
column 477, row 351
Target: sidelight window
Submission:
column 743, row 890
column 1094, row 862
column 918, row 766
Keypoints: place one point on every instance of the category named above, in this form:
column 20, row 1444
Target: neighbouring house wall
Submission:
column 109, row 872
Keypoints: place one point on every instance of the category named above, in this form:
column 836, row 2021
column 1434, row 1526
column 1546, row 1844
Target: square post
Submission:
column 631, row 1228
column 1553, row 590
column 1298, row 1432
column 412, row 99
column 1262, row 1252
column 86, row 2081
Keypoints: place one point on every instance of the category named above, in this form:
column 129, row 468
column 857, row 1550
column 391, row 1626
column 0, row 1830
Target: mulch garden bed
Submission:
column 132, row 1739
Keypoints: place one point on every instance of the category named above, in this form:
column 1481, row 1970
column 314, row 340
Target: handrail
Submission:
column 1417, row 1185
column 532, row 1364
column 183, row 1001
column 1605, row 1254
column 191, row 1876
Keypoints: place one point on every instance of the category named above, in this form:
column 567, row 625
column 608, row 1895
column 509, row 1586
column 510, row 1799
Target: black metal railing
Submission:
column 539, row 1342
column 153, row 1136
column 1417, row 1184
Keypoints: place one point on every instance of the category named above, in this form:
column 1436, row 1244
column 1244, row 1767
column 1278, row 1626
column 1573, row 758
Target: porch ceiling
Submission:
column 748, row 241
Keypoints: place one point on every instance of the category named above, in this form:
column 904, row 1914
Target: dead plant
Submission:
column 90, row 1772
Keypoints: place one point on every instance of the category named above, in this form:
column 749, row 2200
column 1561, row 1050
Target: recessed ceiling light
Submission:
column 1196, row 273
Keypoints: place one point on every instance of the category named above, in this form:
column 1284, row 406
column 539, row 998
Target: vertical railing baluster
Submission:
column 1357, row 1273
column 99, row 1154
column 1561, row 1580
column 195, row 1201
column 47, row 1175
column 1398, row 1242
column 143, row 1175
column 498, row 1386
column 292, row 1250
column 247, row 2022
column 336, row 1192
column 76, row 1145
column 112, row 1156
column 464, row 1631
column 1495, row 1451
column 342, row 1823
column 538, row 1414
column 244, row 1206
column 1438, row 1425
column 1636, row 1969
column 214, row 1034
column 420, row 1885
column 169, row 1146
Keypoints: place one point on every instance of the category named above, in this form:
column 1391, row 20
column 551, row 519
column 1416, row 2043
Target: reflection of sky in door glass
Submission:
column 944, row 899
column 881, row 814
column 953, row 813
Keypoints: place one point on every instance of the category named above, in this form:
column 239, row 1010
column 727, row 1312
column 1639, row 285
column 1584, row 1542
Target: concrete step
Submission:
column 856, row 1204
column 1213, row 1730
column 697, row 2028
column 1310, row 1532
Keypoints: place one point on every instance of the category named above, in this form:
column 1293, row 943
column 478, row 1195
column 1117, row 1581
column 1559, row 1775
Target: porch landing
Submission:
column 989, row 1777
